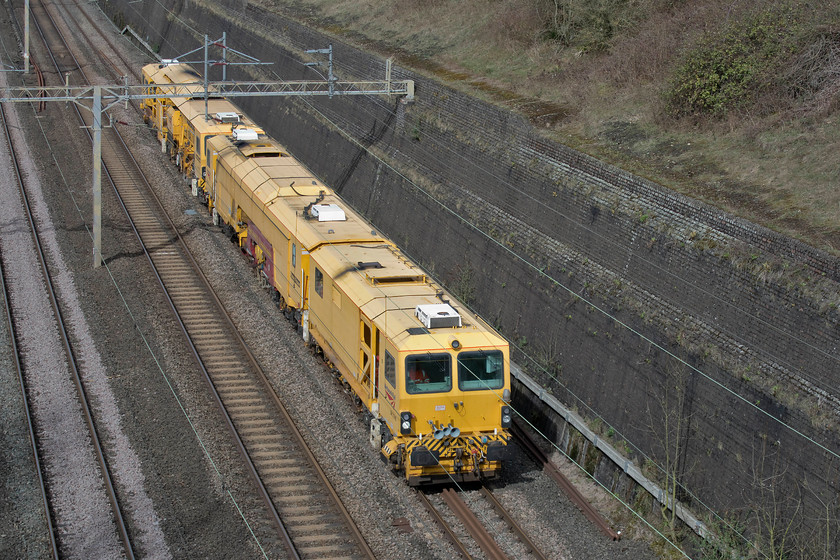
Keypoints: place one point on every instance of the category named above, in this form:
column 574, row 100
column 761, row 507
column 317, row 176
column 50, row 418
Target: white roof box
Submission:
column 227, row 117
column 168, row 61
column 240, row 134
column 328, row 213
column 436, row 315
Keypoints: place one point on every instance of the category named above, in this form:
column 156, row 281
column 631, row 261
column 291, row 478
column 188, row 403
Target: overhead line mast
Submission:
column 98, row 99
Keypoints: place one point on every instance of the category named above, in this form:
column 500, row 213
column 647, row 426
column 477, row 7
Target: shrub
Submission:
column 726, row 70
column 588, row 26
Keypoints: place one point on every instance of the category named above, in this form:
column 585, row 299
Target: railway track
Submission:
column 565, row 484
column 307, row 516
column 304, row 517
column 476, row 523
column 60, row 61
column 17, row 353
column 76, row 14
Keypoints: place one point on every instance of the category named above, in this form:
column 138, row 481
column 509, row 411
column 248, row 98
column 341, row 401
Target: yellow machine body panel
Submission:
column 223, row 117
column 433, row 375
column 193, row 120
column 167, row 78
column 256, row 184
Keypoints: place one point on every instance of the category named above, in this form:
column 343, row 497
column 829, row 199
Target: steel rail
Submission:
column 13, row 338
column 251, row 467
column 357, row 535
column 482, row 537
column 222, row 313
column 225, row 316
column 515, row 527
column 86, row 408
column 240, row 445
column 266, row 498
column 92, row 25
column 444, row 526
column 565, row 484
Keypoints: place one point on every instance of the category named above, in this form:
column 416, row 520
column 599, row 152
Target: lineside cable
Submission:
column 161, row 370
column 564, row 287
column 369, row 151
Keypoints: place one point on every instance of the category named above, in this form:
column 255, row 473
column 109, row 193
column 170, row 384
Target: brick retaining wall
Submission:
column 553, row 247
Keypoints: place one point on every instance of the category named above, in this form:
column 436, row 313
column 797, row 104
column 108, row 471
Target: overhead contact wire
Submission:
column 607, row 314
column 630, row 329
column 539, row 271
column 349, row 136
column 136, row 323
column 499, row 396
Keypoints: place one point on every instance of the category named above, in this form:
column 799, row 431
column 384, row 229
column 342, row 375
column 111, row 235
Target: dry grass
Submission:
column 775, row 165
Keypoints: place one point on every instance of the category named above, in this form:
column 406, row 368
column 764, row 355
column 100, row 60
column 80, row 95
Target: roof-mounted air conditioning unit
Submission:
column 328, row 213
column 227, row 117
column 435, row 315
column 241, row 134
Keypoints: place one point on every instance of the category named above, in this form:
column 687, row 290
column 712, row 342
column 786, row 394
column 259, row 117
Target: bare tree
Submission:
column 822, row 542
column 669, row 412
column 560, row 24
column 548, row 353
column 776, row 504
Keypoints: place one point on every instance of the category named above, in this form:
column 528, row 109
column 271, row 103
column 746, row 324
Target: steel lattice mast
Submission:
column 99, row 98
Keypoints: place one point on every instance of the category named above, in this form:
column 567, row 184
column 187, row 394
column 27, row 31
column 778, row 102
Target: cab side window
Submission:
column 390, row 370
column 319, row 282
column 481, row 370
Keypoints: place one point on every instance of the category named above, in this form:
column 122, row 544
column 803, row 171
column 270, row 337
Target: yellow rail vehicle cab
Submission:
column 449, row 418
column 166, row 77
column 435, row 379
column 457, row 428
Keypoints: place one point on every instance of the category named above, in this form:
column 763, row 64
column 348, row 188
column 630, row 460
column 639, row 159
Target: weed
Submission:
column 591, row 460
column 464, row 286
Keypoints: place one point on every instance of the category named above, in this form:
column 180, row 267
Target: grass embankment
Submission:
column 731, row 103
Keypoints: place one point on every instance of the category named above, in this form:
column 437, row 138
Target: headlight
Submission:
column 405, row 423
column 506, row 417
